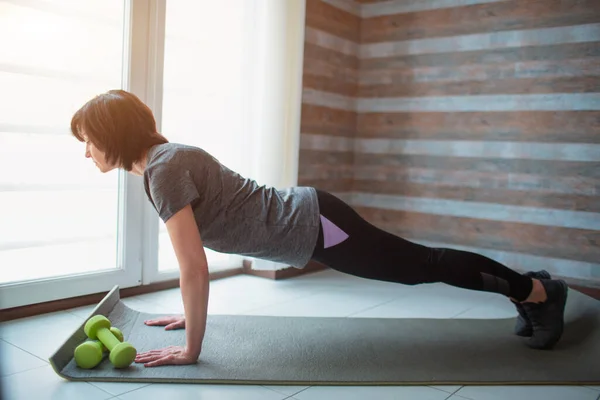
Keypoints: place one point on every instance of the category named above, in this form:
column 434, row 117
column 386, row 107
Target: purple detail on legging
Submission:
column 332, row 235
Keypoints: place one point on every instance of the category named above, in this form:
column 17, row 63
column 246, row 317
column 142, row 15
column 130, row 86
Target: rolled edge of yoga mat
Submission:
column 61, row 358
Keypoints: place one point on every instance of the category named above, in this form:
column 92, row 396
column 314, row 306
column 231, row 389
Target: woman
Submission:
column 203, row 203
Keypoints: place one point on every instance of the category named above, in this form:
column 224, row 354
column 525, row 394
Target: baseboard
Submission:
column 592, row 292
column 285, row 273
column 80, row 301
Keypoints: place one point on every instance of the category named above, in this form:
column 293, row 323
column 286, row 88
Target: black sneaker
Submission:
column 547, row 318
column 523, row 325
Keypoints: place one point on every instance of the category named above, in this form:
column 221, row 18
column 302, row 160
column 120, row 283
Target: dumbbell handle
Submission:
column 107, row 338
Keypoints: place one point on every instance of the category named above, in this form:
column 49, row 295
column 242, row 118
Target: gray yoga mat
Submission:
column 353, row 351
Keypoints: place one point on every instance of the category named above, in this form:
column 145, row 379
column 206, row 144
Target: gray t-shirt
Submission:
column 234, row 214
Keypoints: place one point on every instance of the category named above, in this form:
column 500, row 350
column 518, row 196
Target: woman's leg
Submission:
column 372, row 253
column 351, row 245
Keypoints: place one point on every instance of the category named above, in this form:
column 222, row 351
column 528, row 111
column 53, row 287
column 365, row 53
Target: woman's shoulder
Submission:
column 176, row 153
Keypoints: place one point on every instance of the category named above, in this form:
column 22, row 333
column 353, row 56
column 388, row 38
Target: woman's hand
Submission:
column 174, row 322
column 172, row 355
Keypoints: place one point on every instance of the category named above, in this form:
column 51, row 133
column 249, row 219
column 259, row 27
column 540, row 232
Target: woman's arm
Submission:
column 194, row 284
column 194, row 281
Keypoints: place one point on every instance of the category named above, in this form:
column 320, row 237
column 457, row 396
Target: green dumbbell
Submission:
column 122, row 354
column 90, row 353
column 118, row 334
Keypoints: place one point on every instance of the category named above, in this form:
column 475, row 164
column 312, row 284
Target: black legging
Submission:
column 372, row 253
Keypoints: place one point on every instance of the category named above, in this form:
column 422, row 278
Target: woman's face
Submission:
column 96, row 155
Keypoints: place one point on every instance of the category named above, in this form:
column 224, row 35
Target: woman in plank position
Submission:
column 205, row 204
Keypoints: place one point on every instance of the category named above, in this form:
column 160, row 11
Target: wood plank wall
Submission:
column 477, row 124
column 330, row 76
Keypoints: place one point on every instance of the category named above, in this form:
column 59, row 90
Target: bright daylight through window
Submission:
column 59, row 215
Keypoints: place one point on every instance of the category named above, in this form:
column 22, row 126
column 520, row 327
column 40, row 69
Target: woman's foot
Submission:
column 523, row 325
column 547, row 317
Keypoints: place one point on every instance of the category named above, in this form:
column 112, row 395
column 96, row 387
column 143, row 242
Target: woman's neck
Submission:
column 139, row 167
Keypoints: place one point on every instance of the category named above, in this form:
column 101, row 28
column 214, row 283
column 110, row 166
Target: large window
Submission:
column 216, row 75
column 60, row 217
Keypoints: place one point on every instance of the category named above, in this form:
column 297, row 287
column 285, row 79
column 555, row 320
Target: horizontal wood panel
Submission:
column 331, row 143
column 490, row 57
column 520, row 166
column 336, row 59
column 331, row 85
column 349, row 6
column 326, row 17
column 332, row 42
column 323, row 157
column 394, row 7
column 327, row 121
column 496, row 16
column 544, row 185
column 543, row 126
column 325, row 172
column 585, row 152
column 489, row 87
column 586, row 101
column 479, row 194
column 568, row 243
column 332, row 100
column 583, row 33
column 580, row 67
column 480, row 210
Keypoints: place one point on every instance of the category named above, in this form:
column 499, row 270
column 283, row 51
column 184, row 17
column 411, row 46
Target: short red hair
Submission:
column 119, row 124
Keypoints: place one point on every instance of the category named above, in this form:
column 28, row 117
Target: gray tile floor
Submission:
column 26, row 374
